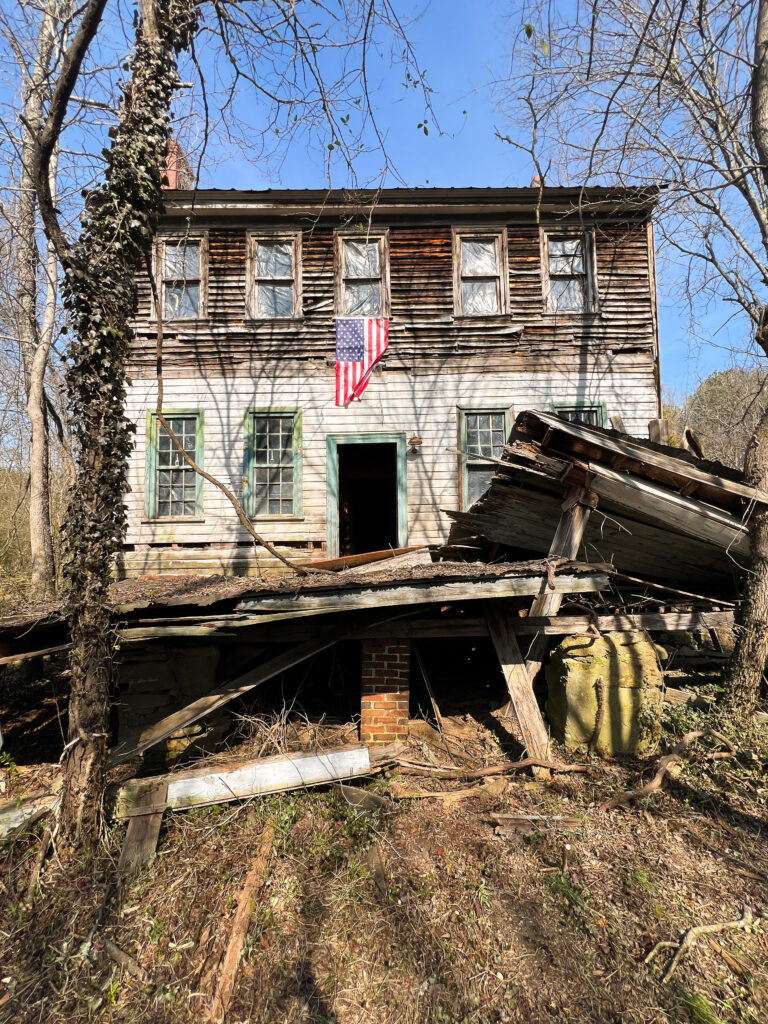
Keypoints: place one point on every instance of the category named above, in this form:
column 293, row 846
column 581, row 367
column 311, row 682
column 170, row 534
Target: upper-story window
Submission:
column 181, row 260
column 362, row 282
column 274, row 281
column 480, row 274
column 568, row 277
column 591, row 413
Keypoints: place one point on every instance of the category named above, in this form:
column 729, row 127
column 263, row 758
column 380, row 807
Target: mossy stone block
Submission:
column 619, row 669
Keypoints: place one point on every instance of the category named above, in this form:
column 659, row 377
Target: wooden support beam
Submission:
column 577, row 507
column 522, row 700
column 551, row 625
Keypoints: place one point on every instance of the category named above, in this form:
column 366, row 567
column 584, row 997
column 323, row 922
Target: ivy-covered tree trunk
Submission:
column 118, row 225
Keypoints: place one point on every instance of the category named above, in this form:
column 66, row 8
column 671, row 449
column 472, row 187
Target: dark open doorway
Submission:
column 367, row 497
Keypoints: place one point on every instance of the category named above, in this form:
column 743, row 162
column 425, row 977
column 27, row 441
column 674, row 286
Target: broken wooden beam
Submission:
column 387, row 596
column 576, row 509
column 522, row 700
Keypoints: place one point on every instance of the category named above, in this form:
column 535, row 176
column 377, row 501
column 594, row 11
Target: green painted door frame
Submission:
column 332, row 483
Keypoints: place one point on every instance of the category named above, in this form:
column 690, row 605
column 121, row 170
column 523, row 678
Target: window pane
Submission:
column 479, row 297
column 182, row 302
column 478, row 481
column 273, row 465
column 362, row 298
column 590, row 414
column 567, row 294
column 566, row 256
column 274, row 259
column 478, row 257
column 275, row 300
column 182, row 260
column 361, row 259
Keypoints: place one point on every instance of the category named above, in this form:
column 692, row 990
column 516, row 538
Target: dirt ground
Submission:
column 429, row 908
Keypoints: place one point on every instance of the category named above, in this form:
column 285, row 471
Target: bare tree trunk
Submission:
column 747, row 668
column 34, row 342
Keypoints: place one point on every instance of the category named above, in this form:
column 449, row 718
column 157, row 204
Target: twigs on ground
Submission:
column 690, row 937
column 667, row 763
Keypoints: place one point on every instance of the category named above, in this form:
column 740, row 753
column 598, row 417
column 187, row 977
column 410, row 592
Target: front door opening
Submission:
column 367, row 497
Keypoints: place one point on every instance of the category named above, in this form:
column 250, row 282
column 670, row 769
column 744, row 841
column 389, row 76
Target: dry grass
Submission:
column 467, row 925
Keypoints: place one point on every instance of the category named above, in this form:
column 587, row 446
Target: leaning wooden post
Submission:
column 578, row 504
column 522, row 702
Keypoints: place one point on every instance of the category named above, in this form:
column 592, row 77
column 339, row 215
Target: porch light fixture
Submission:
column 415, row 443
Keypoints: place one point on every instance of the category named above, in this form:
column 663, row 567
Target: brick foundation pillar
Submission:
column 384, row 713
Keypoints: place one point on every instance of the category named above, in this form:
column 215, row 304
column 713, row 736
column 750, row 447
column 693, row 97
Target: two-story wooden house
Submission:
column 497, row 300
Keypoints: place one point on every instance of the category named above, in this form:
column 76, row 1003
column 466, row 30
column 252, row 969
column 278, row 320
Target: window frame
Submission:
column 151, row 468
column 499, row 235
column 381, row 237
column 252, row 291
column 591, row 298
column 465, row 460
column 600, row 406
column 249, row 492
column 199, row 237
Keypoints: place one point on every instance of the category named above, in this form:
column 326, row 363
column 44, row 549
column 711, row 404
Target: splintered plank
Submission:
column 143, row 829
column 340, row 600
column 522, row 699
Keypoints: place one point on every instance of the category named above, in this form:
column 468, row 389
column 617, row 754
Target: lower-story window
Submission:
column 273, row 463
column 591, row 413
column 482, row 433
column 174, row 489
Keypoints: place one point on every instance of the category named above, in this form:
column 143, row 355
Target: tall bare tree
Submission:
column 673, row 92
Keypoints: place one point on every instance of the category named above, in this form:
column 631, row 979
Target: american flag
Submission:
column 360, row 344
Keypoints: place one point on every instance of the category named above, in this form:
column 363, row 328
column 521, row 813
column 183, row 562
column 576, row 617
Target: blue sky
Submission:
column 463, row 47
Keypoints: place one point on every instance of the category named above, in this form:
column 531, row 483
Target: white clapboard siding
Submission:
column 424, row 404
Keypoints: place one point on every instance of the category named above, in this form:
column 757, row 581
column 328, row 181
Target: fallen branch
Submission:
column 667, row 763
column 412, row 768
column 226, row 971
column 690, row 937
column 125, row 961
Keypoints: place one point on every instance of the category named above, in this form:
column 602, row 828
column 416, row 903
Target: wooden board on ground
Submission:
column 16, row 815
column 202, row 787
column 143, row 831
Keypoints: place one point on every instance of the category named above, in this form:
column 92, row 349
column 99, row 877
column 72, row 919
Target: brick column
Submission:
column 384, row 714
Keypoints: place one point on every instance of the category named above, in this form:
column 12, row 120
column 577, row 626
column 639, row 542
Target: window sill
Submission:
column 481, row 317
column 161, row 520
column 276, row 519
column 260, row 321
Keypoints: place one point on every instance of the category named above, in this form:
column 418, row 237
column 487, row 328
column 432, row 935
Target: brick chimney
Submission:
column 178, row 171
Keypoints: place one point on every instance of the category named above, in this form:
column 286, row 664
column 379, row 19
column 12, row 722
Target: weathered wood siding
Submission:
column 436, row 363
column 425, row 404
column 424, row 334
